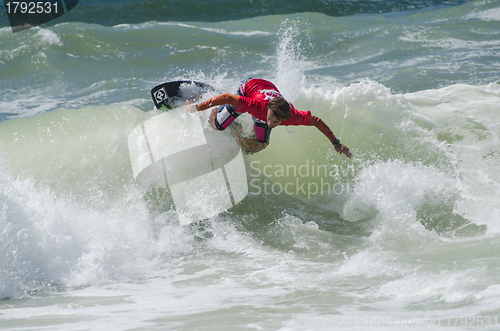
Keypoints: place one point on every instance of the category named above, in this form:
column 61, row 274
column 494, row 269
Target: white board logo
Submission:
column 160, row 95
column 204, row 170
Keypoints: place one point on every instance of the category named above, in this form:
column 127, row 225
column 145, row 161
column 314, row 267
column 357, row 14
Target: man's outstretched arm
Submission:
column 222, row 99
column 342, row 149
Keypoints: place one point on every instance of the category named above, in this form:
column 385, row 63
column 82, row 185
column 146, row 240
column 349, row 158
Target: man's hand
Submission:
column 191, row 107
column 342, row 149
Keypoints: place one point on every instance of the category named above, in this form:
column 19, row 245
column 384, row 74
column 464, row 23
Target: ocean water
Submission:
column 403, row 236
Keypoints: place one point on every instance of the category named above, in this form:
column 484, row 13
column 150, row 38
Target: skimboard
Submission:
column 174, row 94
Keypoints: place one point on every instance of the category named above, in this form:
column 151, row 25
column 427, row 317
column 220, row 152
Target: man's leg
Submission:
column 212, row 119
column 262, row 130
column 262, row 135
column 222, row 117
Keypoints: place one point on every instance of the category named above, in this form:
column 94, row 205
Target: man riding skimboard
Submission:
column 261, row 99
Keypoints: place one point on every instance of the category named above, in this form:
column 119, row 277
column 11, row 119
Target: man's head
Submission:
column 278, row 110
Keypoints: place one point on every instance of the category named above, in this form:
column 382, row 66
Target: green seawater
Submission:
column 404, row 235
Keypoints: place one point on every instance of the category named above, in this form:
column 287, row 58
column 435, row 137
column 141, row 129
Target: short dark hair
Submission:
column 281, row 108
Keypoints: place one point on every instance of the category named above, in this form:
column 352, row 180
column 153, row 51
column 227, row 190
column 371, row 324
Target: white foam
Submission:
column 486, row 15
column 394, row 188
column 49, row 37
column 238, row 33
column 49, row 241
column 467, row 128
column 54, row 236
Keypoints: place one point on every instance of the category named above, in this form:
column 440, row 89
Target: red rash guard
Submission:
column 258, row 94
